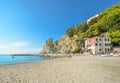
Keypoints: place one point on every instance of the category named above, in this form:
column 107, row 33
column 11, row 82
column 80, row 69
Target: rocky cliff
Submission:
column 65, row 45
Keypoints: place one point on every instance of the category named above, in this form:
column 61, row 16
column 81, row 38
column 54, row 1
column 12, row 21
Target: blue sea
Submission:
column 8, row 59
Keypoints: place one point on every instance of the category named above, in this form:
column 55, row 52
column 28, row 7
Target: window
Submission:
column 96, row 44
column 100, row 44
column 105, row 39
column 100, row 49
column 108, row 49
column 105, row 44
column 105, row 49
column 100, row 39
column 108, row 39
column 96, row 39
column 108, row 44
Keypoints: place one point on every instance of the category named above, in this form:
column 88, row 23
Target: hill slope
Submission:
column 73, row 41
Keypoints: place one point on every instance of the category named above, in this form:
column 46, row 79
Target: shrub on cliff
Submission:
column 70, row 32
column 77, row 50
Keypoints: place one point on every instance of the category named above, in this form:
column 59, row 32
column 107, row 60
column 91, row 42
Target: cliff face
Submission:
column 65, row 45
column 45, row 50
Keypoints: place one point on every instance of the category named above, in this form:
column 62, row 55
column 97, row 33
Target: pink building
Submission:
column 98, row 45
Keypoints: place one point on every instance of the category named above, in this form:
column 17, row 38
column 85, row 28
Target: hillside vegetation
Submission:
column 107, row 22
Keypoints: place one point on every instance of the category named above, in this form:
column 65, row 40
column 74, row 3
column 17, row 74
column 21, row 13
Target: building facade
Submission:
column 98, row 45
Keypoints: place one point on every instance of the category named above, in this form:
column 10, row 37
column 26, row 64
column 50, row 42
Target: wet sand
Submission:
column 78, row 69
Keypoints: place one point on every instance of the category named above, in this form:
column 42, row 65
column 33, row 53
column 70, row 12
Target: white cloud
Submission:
column 13, row 45
column 20, row 51
column 26, row 51
column 18, row 48
column 2, row 47
column 18, row 44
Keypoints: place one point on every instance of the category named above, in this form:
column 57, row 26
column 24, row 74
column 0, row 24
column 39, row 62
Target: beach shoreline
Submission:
column 78, row 69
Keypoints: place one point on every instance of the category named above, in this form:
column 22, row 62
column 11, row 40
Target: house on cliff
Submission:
column 98, row 45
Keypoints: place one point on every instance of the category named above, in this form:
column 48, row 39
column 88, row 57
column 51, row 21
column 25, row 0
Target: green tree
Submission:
column 107, row 21
column 49, row 42
column 89, row 32
column 71, row 32
column 115, row 37
column 81, row 28
column 114, row 23
column 56, row 42
column 77, row 50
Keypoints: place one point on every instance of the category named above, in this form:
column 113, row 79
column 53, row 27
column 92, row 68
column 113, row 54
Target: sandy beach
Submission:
column 78, row 69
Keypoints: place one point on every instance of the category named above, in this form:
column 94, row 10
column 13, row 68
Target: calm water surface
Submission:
column 8, row 59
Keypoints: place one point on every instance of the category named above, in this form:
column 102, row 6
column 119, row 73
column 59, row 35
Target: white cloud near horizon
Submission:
column 28, row 51
column 21, row 51
column 12, row 45
column 18, row 44
column 18, row 48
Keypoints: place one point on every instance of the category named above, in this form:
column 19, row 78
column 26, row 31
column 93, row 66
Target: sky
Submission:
column 25, row 25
